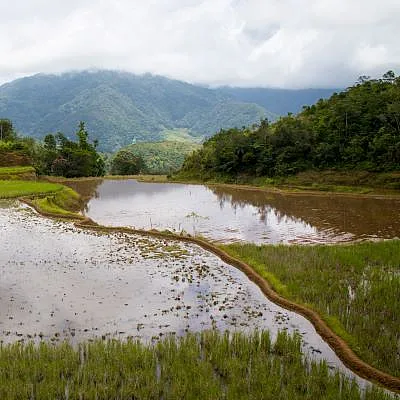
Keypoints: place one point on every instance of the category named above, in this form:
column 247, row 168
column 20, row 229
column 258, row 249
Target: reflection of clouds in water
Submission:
column 278, row 225
column 231, row 214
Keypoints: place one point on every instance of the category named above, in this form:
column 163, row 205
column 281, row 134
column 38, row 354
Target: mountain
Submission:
column 279, row 101
column 121, row 108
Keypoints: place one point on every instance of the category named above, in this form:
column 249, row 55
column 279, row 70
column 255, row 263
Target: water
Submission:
column 61, row 283
column 230, row 214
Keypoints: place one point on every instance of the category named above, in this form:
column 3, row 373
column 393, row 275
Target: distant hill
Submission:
column 357, row 129
column 279, row 101
column 162, row 157
column 121, row 108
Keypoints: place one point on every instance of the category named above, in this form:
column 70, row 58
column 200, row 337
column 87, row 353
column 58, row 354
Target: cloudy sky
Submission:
column 279, row 43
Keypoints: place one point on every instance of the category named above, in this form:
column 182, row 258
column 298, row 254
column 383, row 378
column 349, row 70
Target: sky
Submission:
column 270, row 43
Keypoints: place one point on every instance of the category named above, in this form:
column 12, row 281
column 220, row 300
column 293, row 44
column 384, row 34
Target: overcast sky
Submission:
column 279, row 43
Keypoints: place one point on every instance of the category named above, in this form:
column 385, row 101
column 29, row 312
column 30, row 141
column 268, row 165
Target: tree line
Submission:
column 56, row 155
column 358, row 128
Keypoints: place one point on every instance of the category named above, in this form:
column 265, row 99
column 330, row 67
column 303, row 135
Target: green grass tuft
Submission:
column 16, row 170
column 355, row 288
column 206, row 366
column 64, row 203
column 11, row 189
column 17, row 173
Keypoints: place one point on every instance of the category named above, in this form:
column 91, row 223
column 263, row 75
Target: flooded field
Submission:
column 58, row 282
column 228, row 214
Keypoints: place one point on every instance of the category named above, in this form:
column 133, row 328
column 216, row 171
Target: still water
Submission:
column 64, row 283
column 229, row 214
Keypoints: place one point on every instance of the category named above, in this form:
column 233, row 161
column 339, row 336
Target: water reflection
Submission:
column 86, row 188
column 230, row 214
column 358, row 217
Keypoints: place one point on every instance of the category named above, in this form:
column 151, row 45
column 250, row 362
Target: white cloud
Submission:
column 287, row 43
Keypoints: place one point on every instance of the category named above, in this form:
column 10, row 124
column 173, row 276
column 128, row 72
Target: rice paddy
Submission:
column 356, row 288
column 17, row 172
column 209, row 365
column 11, row 189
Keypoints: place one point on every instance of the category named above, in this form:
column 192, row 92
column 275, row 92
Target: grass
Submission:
column 181, row 135
column 357, row 182
column 205, row 366
column 16, row 173
column 50, row 198
column 140, row 178
column 355, row 288
column 10, row 188
column 63, row 203
column 15, row 170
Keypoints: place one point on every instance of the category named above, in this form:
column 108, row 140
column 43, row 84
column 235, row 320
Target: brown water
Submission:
column 58, row 282
column 229, row 214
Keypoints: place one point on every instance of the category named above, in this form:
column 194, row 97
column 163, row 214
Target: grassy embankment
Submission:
column 17, row 173
column 311, row 181
column 361, row 182
column 355, row 288
column 206, row 366
column 48, row 198
column 141, row 178
column 334, row 268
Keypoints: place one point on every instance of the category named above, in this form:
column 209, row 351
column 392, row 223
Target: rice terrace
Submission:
column 227, row 238
column 133, row 313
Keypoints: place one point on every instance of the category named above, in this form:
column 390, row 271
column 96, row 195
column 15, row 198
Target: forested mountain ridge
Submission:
column 120, row 108
column 356, row 129
column 279, row 101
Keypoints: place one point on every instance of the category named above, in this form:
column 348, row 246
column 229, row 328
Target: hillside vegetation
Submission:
column 56, row 155
column 357, row 129
column 151, row 158
column 120, row 108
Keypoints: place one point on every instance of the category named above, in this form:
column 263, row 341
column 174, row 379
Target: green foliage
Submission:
column 155, row 158
column 18, row 173
column 181, row 135
column 62, row 157
column 7, row 132
column 10, row 189
column 120, row 108
column 355, row 287
column 209, row 365
column 16, row 170
column 64, row 203
column 355, row 129
column 126, row 162
column 16, row 151
column 56, row 156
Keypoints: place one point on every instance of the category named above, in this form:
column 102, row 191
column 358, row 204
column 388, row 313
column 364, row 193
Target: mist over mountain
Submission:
column 121, row 108
column 279, row 101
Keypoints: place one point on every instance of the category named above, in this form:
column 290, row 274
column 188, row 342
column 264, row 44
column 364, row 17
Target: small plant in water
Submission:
column 195, row 218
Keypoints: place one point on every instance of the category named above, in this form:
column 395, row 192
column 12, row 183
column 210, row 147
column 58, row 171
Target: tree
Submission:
column 126, row 163
column 7, row 132
column 358, row 128
column 62, row 156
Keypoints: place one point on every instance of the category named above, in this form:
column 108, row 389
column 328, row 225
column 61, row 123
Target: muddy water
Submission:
column 229, row 214
column 58, row 282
